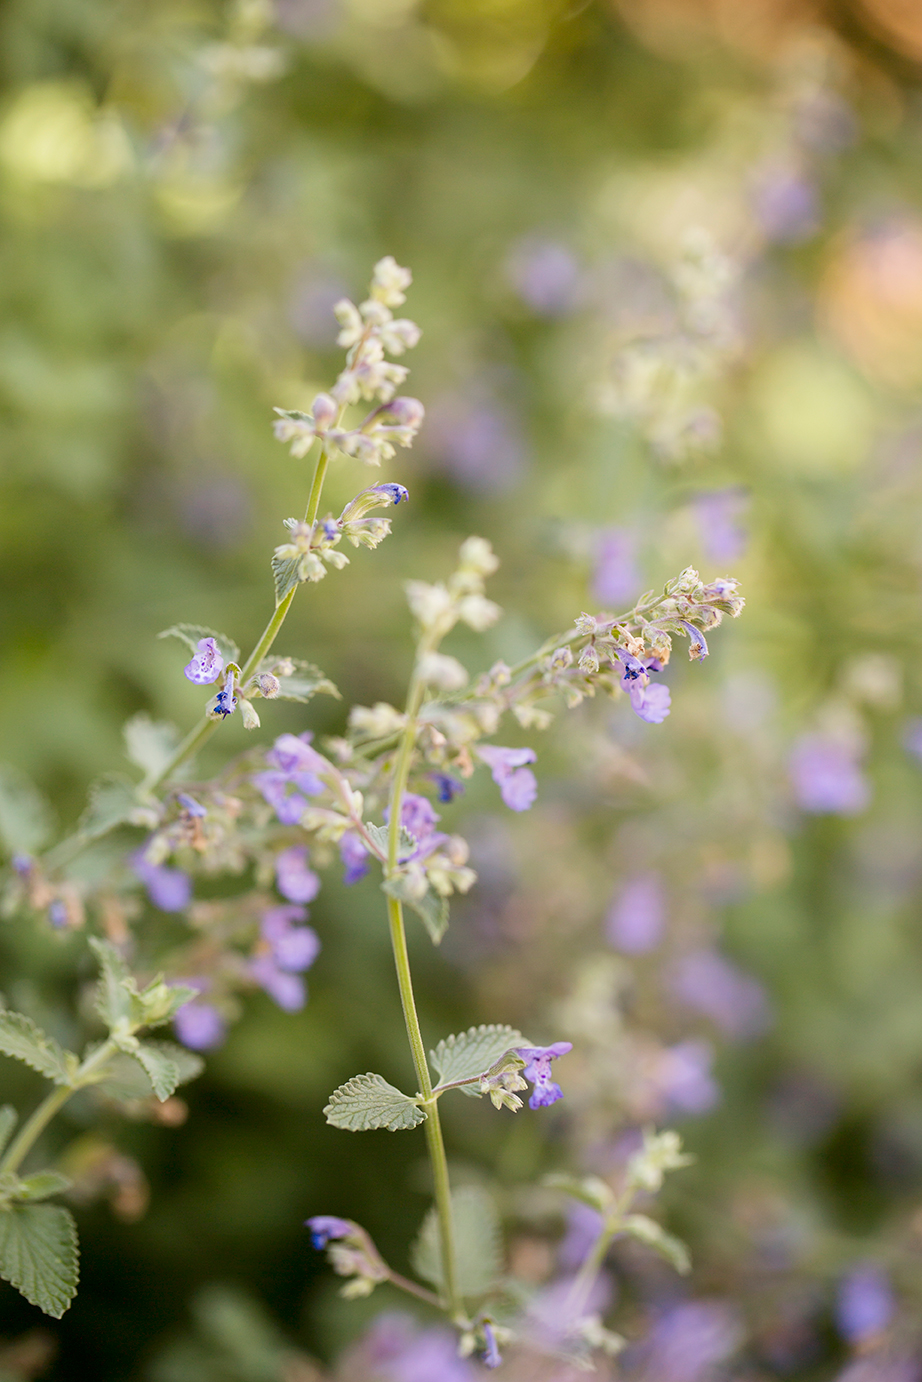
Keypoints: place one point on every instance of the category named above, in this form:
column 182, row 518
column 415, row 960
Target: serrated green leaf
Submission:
column 648, row 1231
column 432, row 907
column 149, row 743
column 8, row 1117
column 406, row 842
column 470, row 1053
column 368, row 1101
column 42, row 1185
column 25, row 817
column 126, row 1079
column 162, row 1072
column 305, row 681
column 286, row 572
column 38, row 1255
column 116, row 992
column 191, row 633
column 478, row 1243
column 112, row 802
column 26, row 1042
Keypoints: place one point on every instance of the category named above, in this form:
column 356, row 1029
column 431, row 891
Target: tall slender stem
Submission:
column 32, row 1129
column 433, row 1127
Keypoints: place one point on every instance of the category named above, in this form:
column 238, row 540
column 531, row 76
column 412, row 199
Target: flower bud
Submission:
column 324, row 411
column 268, row 685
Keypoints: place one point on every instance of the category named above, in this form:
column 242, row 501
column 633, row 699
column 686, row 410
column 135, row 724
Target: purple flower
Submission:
column 786, row 205
column 616, row 579
column 446, row 787
column 826, row 776
column 689, row 1340
column 293, row 948
column 545, row 275
column 323, row 1227
column 584, row 1224
column 492, row 1356
column 393, row 492
column 22, row 863
column 477, row 440
column 683, row 1078
column 190, row 805
column 288, row 990
column 431, row 1357
column 354, row 856
column 206, row 665
column 168, row 889
column 293, row 878
column 717, row 513
column 517, row 784
column 882, row 1366
column 538, row 1069
column 199, row 1025
column 710, row 984
column 417, row 815
column 651, row 703
column 635, row 920
column 57, row 914
column 292, row 753
column 864, row 1304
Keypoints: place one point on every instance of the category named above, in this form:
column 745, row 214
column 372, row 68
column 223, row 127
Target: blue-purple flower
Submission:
column 206, row 665
column 491, row 1356
column 286, row 950
column 354, row 856
column 635, row 920
column 538, row 1069
column 323, row 1227
column 616, row 579
column 865, row 1304
column 718, row 512
column 169, row 889
column 710, row 984
column 446, row 787
column 517, row 784
column 190, row 805
column 293, row 878
column 199, row 1025
column 826, row 776
column 292, row 776
column 650, row 701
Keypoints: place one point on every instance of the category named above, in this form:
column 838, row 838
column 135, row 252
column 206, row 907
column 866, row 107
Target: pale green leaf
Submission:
column 112, row 802
column 26, row 1042
column 41, row 1185
column 649, row 1232
column 286, row 572
column 25, row 817
column 8, row 1118
column 149, row 743
column 406, row 842
column 590, row 1189
column 469, row 1054
column 305, row 681
column 162, row 1072
column 478, row 1243
column 126, row 1079
column 38, row 1255
column 190, row 634
column 432, row 907
column 368, row 1101
column 116, row 993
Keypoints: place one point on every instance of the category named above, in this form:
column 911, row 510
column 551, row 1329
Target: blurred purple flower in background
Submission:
column 635, row 920
column 317, row 289
column 717, row 513
column 476, row 440
column 293, row 878
column 912, row 738
column 616, row 579
column 682, row 1078
column 785, row 204
column 545, row 275
column 517, row 784
column 689, row 1342
column 584, row 1224
column 293, row 771
column 710, row 984
column 293, row 947
column 865, row 1304
column 199, row 1026
column 881, row 1366
column 215, row 509
column 397, row 1350
column 826, row 776
column 169, row 889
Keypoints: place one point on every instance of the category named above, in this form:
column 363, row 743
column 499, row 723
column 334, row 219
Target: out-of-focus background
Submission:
column 668, row 265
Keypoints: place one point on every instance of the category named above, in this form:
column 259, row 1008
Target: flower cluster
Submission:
column 369, row 331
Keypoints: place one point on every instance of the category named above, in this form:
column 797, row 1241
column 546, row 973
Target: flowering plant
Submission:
column 369, row 797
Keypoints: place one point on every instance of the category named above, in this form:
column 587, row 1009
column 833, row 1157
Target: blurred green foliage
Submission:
column 184, row 191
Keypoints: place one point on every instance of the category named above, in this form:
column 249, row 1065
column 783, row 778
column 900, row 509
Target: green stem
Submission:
column 585, row 1278
column 433, row 1127
column 420, row 1292
column 32, row 1129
